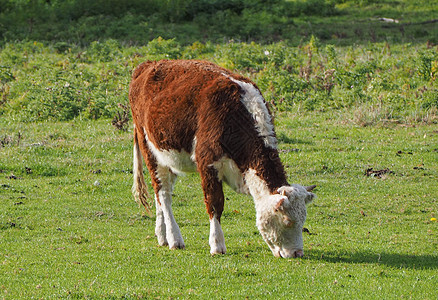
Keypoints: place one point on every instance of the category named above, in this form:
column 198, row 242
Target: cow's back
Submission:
column 172, row 100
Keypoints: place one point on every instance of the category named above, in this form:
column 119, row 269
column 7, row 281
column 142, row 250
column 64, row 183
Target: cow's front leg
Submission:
column 216, row 239
column 214, row 201
column 165, row 219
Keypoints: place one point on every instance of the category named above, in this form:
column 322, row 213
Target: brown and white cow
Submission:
column 196, row 116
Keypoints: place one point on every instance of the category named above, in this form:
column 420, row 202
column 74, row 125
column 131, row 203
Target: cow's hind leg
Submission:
column 214, row 201
column 160, row 225
column 166, row 228
column 165, row 219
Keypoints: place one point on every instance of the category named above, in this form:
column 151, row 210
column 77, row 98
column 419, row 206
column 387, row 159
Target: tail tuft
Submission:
column 141, row 194
column 139, row 188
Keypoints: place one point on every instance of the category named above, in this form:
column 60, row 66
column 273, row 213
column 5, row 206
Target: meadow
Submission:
column 355, row 104
column 71, row 229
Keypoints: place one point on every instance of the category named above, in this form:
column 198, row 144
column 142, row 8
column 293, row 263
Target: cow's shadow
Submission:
column 397, row 260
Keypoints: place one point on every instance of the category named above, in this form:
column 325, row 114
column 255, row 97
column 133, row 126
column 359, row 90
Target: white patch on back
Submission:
column 255, row 104
column 179, row 162
column 230, row 174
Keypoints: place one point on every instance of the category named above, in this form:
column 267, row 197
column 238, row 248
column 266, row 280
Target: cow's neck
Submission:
column 257, row 187
column 265, row 173
column 261, row 188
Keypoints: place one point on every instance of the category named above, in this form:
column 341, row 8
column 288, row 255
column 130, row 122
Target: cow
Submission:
column 193, row 116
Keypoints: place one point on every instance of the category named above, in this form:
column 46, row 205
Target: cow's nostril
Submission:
column 299, row 253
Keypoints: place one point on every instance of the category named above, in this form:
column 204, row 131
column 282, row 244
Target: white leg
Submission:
column 216, row 240
column 173, row 233
column 160, row 226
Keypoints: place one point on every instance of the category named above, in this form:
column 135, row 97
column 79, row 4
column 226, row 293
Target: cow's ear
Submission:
column 279, row 206
column 310, row 188
column 288, row 221
column 285, row 190
column 310, row 195
column 309, row 198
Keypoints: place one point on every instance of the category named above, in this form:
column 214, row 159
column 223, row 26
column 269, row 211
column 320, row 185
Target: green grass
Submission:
column 62, row 235
column 348, row 91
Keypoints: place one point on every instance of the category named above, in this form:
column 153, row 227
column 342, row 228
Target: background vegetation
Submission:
column 365, row 84
column 352, row 84
column 64, row 59
column 138, row 21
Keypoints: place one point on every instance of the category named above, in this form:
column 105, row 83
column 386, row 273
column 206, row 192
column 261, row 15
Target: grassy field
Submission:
column 355, row 101
column 69, row 227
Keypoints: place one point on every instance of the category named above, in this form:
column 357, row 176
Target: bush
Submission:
column 82, row 22
column 43, row 83
column 39, row 82
column 160, row 48
column 106, row 51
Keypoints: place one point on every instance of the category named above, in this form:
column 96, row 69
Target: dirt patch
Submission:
column 370, row 172
column 399, row 153
column 9, row 140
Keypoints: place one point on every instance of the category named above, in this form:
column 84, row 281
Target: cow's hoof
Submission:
column 177, row 245
column 218, row 250
column 162, row 241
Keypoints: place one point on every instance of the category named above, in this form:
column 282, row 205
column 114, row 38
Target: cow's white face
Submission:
column 281, row 220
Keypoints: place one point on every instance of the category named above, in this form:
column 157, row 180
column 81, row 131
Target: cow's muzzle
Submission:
column 290, row 254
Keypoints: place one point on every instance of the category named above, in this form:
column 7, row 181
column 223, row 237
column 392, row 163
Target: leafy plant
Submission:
column 160, row 48
column 139, row 21
column 425, row 69
column 40, row 82
column 103, row 51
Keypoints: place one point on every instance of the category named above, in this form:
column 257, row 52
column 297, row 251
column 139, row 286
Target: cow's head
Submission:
column 281, row 220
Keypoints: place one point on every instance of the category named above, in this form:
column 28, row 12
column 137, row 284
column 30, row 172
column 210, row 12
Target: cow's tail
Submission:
column 139, row 188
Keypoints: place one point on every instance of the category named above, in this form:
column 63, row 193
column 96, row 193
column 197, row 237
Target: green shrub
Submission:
column 39, row 82
column 5, row 74
column 103, row 51
column 198, row 50
column 425, row 70
column 160, row 48
column 82, row 22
